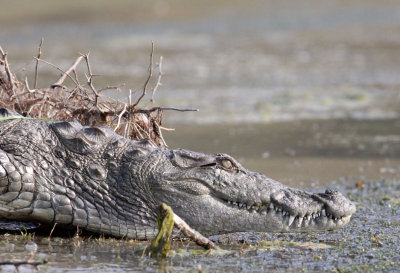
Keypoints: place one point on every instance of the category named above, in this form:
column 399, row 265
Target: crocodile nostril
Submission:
column 330, row 192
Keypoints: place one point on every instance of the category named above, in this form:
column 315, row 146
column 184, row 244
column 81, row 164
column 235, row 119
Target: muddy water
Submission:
column 235, row 62
column 305, row 92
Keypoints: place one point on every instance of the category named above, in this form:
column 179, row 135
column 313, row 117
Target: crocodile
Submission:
column 92, row 178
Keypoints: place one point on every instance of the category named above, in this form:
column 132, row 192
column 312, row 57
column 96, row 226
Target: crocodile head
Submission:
column 215, row 194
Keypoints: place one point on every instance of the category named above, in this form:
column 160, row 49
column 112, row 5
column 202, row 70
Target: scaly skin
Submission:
column 65, row 173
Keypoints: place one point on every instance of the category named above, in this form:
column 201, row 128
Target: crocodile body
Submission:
column 72, row 175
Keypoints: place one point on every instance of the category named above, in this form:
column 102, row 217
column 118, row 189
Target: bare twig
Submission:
column 167, row 129
column 37, row 63
column 126, row 130
column 110, row 87
column 6, row 65
column 27, row 85
column 119, row 118
column 60, row 81
column 193, row 234
column 59, row 69
column 148, row 77
column 137, row 131
column 76, row 77
column 147, row 111
column 160, row 74
column 130, row 97
column 7, row 69
column 90, row 78
column 141, row 128
column 51, row 232
column 159, row 134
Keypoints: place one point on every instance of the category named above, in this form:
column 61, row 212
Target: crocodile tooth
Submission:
column 300, row 221
column 291, row 219
column 335, row 219
column 283, row 213
column 271, row 206
column 264, row 212
column 314, row 215
column 240, row 205
column 279, row 209
column 229, row 202
column 324, row 212
column 308, row 217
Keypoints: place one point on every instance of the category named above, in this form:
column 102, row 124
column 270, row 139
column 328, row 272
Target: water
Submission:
column 235, row 62
column 305, row 92
column 302, row 153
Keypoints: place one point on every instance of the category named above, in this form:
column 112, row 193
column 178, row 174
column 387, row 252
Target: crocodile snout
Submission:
column 335, row 203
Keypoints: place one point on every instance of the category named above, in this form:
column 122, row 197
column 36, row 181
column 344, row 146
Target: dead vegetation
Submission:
column 83, row 101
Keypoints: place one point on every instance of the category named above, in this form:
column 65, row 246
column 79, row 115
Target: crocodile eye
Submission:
column 226, row 163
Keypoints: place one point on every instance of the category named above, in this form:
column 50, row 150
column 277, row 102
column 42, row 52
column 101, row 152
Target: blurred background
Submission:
column 305, row 91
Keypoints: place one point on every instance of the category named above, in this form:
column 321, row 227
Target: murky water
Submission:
column 303, row 153
column 305, row 92
column 235, row 62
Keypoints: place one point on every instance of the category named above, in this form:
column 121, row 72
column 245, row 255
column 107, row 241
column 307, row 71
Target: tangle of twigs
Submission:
column 84, row 103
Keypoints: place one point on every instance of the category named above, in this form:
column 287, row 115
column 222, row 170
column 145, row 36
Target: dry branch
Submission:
column 37, row 63
column 90, row 78
column 160, row 74
column 64, row 73
column 60, row 81
column 148, row 77
column 7, row 84
column 84, row 103
column 153, row 109
column 193, row 234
